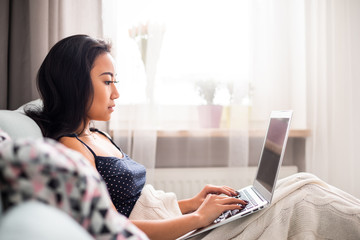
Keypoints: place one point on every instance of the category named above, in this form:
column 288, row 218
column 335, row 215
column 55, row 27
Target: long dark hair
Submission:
column 65, row 86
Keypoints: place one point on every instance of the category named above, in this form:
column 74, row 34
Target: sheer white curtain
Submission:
column 250, row 46
column 301, row 55
column 333, row 73
column 306, row 57
column 133, row 125
column 158, row 99
column 278, row 73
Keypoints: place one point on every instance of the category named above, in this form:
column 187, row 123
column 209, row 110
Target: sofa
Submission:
column 33, row 219
column 35, row 212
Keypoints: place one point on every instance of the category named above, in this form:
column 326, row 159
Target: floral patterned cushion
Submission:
column 47, row 171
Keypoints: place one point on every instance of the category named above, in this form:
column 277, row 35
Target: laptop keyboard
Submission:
column 244, row 195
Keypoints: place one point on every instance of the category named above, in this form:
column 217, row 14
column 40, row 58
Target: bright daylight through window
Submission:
column 188, row 47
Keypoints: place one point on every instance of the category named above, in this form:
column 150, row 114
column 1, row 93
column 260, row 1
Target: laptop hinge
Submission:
column 257, row 193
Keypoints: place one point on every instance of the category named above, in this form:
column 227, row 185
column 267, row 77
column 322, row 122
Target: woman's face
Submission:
column 103, row 78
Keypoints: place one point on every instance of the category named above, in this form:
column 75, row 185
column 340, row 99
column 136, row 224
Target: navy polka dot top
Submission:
column 124, row 177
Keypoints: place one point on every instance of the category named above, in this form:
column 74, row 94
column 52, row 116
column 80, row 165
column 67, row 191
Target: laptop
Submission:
column 259, row 195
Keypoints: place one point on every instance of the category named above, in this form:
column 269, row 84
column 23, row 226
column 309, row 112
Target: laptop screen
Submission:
column 272, row 151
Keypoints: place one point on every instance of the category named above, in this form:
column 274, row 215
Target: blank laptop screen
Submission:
column 271, row 154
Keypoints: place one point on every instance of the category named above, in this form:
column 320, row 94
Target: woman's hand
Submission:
column 211, row 189
column 213, row 205
column 192, row 204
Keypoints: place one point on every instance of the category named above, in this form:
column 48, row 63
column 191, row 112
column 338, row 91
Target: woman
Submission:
column 77, row 85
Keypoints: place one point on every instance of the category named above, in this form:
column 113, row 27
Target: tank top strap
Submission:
column 76, row 136
column 107, row 136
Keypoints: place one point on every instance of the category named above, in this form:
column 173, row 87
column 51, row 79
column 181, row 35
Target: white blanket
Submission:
column 303, row 207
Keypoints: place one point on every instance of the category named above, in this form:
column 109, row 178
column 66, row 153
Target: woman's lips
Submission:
column 111, row 108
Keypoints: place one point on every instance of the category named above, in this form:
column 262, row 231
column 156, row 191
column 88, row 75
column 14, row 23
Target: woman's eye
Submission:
column 109, row 82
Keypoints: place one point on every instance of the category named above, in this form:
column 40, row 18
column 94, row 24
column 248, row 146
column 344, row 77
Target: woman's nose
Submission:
column 115, row 93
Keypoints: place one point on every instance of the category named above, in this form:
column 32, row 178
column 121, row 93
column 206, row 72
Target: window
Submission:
column 182, row 43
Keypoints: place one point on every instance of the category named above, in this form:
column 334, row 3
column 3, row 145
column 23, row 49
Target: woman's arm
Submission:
column 168, row 228
column 209, row 210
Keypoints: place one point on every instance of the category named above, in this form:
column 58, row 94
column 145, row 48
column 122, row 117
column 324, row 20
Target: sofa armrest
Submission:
column 18, row 125
column 35, row 220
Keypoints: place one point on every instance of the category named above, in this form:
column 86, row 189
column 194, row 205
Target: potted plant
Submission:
column 209, row 113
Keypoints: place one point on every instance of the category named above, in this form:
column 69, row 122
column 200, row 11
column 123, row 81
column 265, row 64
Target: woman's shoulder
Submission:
column 74, row 144
column 71, row 142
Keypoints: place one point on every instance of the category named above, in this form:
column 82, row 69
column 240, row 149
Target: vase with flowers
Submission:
column 209, row 113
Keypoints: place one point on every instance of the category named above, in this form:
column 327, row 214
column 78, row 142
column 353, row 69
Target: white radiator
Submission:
column 187, row 182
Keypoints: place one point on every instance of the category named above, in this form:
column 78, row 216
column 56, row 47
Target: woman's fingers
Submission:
column 232, row 191
column 221, row 190
column 224, row 200
column 214, row 205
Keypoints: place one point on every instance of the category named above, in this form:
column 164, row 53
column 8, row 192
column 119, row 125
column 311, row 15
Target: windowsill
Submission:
column 294, row 133
column 216, row 132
